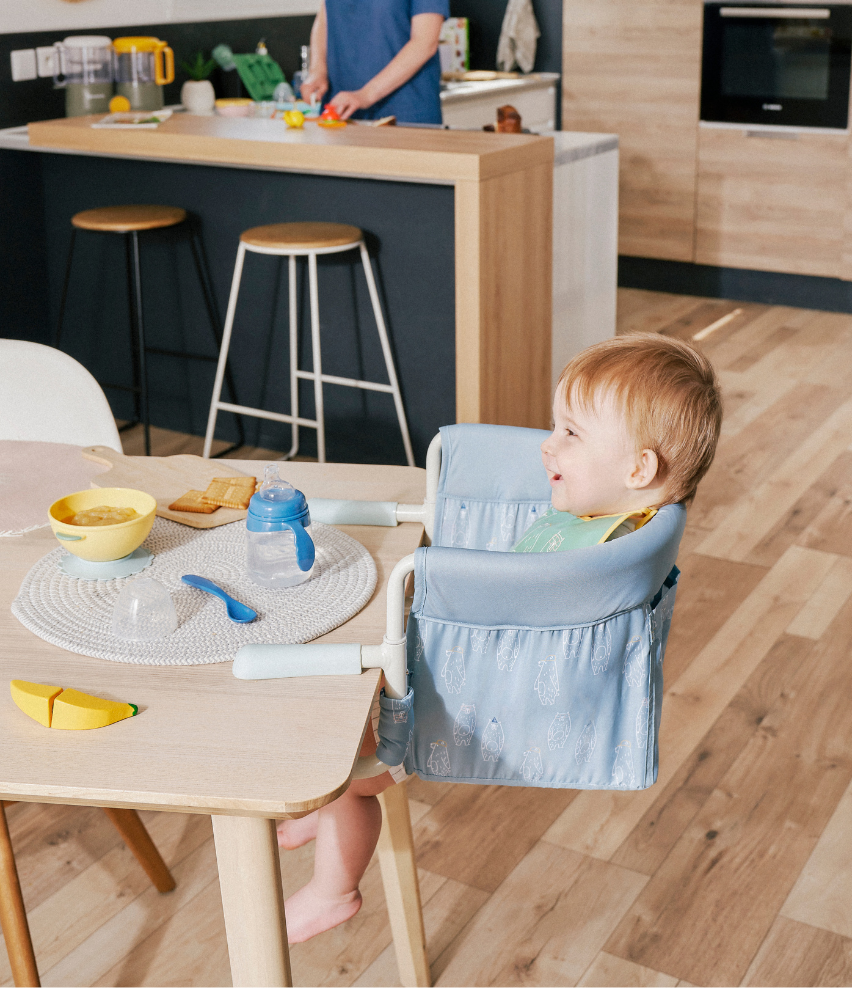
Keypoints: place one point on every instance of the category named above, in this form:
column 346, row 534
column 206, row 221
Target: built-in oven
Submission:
column 780, row 64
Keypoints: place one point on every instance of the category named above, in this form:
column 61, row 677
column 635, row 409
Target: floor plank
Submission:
column 731, row 872
column 821, row 896
column 652, row 839
column 445, row 914
column 795, row 954
column 458, row 838
column 545, row 924
column 610, row 970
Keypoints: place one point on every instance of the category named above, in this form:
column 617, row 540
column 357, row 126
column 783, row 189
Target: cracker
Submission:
column 230, row 492
column 193, row 501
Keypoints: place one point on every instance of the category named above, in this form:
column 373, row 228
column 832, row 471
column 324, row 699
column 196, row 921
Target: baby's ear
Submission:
column 644, row 471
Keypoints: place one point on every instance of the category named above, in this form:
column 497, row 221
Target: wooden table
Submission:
column 247, row 753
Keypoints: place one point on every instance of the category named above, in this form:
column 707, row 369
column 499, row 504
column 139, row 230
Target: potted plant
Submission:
column 197, row 93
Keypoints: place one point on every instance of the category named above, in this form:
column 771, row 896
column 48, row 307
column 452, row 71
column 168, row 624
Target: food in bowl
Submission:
column 102, row 514
column 104, row 542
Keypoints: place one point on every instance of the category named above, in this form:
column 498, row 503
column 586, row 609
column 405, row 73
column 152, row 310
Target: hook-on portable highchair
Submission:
column 540, row 669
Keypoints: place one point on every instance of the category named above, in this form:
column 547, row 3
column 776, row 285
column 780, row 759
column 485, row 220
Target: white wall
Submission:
column 57, row 15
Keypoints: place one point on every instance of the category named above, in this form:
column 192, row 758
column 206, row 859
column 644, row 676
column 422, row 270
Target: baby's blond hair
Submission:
column 669, row 396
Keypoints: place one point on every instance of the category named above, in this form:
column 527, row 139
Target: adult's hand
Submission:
column 346, row 103
column 314, row 87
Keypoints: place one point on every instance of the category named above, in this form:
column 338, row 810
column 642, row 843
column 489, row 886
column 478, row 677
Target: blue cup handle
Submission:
column 69, row 538
column 305, row 551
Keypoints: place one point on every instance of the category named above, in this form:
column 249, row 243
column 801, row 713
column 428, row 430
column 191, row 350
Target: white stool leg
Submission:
column 386, row 350
column 223, row 351
column 294, row 359
column 315, row 345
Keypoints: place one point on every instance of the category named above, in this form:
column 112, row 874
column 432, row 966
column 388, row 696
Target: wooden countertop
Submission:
column 414, row 154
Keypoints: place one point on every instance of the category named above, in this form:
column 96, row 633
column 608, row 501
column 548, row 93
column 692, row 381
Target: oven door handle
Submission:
column 810, row 13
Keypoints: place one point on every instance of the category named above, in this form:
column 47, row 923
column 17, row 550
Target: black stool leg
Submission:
column 140, row 332
column 136, row 388
column 65, row 284
column 202, row 268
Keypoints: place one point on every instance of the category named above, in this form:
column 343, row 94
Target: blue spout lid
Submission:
column 277, row 505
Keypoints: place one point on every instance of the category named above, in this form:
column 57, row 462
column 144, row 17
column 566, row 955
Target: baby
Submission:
column 636, row 422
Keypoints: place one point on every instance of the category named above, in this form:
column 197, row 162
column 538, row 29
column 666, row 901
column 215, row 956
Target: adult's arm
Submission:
column 316, row 85
column 414, row 54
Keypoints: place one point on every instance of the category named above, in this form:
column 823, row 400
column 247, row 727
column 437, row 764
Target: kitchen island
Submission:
column 459, row 224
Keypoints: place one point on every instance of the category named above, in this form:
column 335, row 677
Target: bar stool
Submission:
column 131, row 221
column 309, row 240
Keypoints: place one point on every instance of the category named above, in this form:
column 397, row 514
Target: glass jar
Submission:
column 83, row 68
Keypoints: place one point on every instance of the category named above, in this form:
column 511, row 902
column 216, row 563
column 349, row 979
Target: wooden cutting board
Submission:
column 166, row 478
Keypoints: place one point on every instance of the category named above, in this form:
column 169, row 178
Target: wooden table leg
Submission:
column 402, row 890
column 253, row 900
column 137, row 838
column 13, row 916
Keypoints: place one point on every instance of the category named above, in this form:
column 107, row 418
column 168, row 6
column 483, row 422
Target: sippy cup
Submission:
column 279, row 548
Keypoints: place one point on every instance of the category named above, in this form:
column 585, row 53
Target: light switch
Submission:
column 24, row 65
column 46, row 61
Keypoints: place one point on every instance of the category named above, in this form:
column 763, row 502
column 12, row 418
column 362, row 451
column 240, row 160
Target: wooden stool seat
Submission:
column 126, row 219
column 301, row 236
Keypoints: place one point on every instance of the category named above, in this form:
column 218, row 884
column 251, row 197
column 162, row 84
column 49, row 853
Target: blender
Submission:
column 83, row 68
column 142, row 67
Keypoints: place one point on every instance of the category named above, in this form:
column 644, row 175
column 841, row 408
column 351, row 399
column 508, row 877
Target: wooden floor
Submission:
column 735, row 868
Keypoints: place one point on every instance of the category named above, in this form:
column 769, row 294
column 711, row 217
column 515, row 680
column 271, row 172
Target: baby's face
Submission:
column 588, row 458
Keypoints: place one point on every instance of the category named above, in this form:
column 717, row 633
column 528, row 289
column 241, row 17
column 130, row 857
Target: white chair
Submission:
column 47, row 396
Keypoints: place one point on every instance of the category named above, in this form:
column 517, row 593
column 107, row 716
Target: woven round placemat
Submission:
column 76, row 614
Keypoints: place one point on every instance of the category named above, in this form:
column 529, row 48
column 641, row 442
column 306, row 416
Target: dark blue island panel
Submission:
column 410, row 235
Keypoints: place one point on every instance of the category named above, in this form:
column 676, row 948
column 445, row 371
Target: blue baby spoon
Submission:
column 241, row 613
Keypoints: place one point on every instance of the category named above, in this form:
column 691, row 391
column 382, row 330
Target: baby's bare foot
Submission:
column 295, row 833
column 309, row 913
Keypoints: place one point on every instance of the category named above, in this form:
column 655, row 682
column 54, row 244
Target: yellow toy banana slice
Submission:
column 68, row 710
column 35, row 699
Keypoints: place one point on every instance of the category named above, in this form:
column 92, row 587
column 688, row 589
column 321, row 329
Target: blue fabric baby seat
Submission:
column 531, row 669
column 527, row 669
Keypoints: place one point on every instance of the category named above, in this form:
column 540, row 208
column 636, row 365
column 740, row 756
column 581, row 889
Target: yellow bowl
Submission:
column 102, row 543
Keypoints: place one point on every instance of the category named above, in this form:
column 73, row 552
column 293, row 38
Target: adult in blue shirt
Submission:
column 378, row 57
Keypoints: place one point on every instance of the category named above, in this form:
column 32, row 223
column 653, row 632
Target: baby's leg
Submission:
column 346, row 834
column 295, row 833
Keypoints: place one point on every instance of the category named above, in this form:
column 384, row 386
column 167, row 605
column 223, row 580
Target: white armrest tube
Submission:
column 330, row 511
column 284, row 661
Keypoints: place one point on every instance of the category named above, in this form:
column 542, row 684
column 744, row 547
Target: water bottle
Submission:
column 279, row 548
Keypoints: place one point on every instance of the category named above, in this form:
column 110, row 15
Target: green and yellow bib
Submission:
column 560, row 531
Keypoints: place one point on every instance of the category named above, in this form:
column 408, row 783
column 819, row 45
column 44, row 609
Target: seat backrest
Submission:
column 47, row 396
column 492, row 486
column 535, row 669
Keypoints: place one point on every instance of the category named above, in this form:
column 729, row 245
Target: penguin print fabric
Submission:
column 563, row 707
column 533, row 669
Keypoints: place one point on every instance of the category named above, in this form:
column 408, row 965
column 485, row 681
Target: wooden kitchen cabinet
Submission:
column 772, row 201
column 632, row 67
